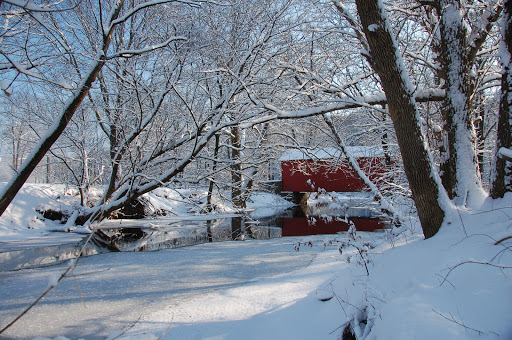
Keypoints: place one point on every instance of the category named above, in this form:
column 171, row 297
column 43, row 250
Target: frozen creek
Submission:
column 118, row 288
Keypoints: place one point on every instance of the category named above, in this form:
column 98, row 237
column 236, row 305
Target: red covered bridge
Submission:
column 325, row 169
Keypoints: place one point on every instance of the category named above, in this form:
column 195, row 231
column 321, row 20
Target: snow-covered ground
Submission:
column 456, row 285
column 439, row 288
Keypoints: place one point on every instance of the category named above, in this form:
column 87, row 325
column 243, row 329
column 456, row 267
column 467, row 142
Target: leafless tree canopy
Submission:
column 132, row 95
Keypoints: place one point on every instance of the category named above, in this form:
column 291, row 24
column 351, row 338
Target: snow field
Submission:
column 456, row 285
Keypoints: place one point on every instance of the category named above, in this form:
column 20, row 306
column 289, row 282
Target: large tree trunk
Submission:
column 424, row 183
column 502, row 179
column 461, row 175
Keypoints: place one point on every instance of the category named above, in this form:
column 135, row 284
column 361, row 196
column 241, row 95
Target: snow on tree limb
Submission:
column 132, row 53
column 505, row 153
column 340, row 104
column 384, row 202
column 145, row 5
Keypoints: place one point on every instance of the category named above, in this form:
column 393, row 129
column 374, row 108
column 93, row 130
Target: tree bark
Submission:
column 461, row 177
column 236, row 169
column 387, row 63
column 209, row 206
column 502, row 179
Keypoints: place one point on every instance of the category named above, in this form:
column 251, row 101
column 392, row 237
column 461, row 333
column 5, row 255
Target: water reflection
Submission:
column 304, row 220
column 130, row 237
column 298, row 221
column 138, row 235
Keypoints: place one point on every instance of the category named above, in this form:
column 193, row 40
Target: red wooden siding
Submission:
column 306, row 175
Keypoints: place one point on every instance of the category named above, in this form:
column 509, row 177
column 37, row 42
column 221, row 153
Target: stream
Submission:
column 174, row 232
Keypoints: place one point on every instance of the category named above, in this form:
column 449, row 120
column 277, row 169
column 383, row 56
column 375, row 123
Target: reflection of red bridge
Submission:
column 315, row 170
column 302, row 226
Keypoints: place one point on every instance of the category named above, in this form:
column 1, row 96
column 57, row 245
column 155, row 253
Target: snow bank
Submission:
column 440, row 288
column 21, row 219
column 264, row 204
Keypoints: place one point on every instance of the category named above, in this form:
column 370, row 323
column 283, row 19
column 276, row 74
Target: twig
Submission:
column 503, row 239
column 167, row 330
column 127, row 329
column 342, row 325
column 474, row 262
column 493, row 210
column 460, row 323
column 445, row 279
column 461, row 221
column 88, row 273
column 94, row 271
column 472, row 235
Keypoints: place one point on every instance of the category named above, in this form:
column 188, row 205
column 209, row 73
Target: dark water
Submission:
column 136, row 236
column 307, row 220
column 298, row 221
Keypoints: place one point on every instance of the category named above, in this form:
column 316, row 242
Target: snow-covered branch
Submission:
column 26, row 71
column 132, row 53
column 352, row 21
column 30, row 6
column 340, row 104
column 482, row 29
column 505, row 153
column 145, row 5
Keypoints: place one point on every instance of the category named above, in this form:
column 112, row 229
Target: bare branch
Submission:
column 473, row 262
column 132, row 53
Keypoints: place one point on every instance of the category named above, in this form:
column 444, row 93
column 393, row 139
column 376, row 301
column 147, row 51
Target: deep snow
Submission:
column 456, row 285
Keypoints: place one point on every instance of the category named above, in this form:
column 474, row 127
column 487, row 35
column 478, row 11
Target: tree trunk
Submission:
column 236, row 169
column 425, row 185
column 502, row 179
column 461, row 176
column 209, row 206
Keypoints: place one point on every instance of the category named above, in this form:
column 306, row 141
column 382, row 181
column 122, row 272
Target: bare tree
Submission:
column 117, row 15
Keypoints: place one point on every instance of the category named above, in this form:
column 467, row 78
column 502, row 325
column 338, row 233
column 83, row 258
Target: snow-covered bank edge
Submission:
column 23, row 221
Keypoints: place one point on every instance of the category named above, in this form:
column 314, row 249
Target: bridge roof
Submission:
column 331, row 153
